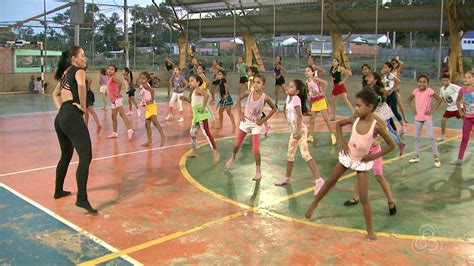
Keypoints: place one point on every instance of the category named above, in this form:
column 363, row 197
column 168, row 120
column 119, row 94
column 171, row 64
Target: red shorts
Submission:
column 449, row 114
column 339, row 89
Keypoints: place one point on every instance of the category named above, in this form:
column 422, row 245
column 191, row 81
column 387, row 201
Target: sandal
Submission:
column 393, row 210
column 351, row 202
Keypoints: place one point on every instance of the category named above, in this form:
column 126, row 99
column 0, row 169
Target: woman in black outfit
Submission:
column 70, row 98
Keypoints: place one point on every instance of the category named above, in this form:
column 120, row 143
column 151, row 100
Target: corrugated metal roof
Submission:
column 405, row 19
column 196, row 6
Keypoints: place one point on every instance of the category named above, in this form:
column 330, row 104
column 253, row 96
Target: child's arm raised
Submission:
column 269, row 101
column 382, row 131
column 339, row 125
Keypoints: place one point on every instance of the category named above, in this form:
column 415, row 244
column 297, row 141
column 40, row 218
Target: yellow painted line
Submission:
column 162, row 239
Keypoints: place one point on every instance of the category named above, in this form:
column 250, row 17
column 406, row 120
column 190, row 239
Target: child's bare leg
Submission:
column 213, row 93
column 386, row 189
column 86, row 116
column 444, row 120
column 114, row 120
column 124, row 117
column 314, row 169
column 348, row 103
column 363, row 178
column 148, row 133
column 311, row 123
column 104, row 99
column 232, row 119
column 336, row 174
column 130, row 104
column 334, row 106
column 289, row 167
column 134, row 102
column 221, row 117
column 160, row 129
column 324, row 113
column 277, row 93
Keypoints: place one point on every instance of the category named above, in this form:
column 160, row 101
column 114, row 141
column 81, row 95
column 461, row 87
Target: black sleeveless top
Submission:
column 336, row 76
column 68, row 82
column 222, row 87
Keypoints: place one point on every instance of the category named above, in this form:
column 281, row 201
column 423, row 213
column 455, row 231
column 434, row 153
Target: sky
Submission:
column 17, row 10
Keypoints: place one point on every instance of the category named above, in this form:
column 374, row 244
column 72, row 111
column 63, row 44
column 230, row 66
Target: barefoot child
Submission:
column 226, row 102
column 251, row 121
column 465, row 104
column 128, row 77
column 298, row 135
column 178, row 83
column 148, row 100
column 449, row 93
column 198, row 99
column 319, row 102
column 355, row 154
column 90, row 105
column 422, row 96
column 103, row 86
column 114, row 85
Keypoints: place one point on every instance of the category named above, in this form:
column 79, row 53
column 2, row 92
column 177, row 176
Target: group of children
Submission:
column 376, row 106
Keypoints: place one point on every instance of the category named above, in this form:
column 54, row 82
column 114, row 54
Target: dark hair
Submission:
column 103, row 71
column 337, row 59
column 423, row 76
column 254, row 69
column 260, row 76
column 126, row 69
column 280, row 57
column 365, row 65
column 114, row 66
column 312, row 57
column 197, row 78
column 221, row 71
column 368, row 96
column 241, row 56
column 310, row 67
column 389, row 65
column 378, row 78
column 302, row 92
column 445, row 76
column 146, row 74
column 202, row 66
column 379, row 90
column 65, row 60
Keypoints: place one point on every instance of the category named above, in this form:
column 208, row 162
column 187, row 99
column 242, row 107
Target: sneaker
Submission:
column 129, row 113
column 130, row 134
column 181, row 120
column 333, row 139
column 267, row 129
column 169, row 117
column 456, row 162
column 139, row 113
column 401, row 147
column 230, row 162
column 414, row 159
column 442, row 138
column 403, row 131
column 114, row 135
column 437, row 163
column 310, row 139
column 285, row 180
column 319, row 184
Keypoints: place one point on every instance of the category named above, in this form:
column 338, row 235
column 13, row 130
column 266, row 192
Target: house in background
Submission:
column 467, row 42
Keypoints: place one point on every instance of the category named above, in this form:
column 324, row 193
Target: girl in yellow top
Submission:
column 147, row 99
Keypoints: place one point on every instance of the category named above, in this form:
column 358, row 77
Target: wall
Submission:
column 6, row 64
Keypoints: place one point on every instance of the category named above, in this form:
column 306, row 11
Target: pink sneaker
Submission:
column 130, row 134
column 114, row 135
column 129, row 113
column 319, row 184
column 230, row 162
column 285, row 180
column 139, row 113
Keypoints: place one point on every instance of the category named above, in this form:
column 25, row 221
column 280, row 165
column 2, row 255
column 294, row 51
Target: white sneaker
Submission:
column 169, row 117
column 437, row 163
column 139, row 113
column 130, row 134
column 442, row 138
column 414, row 159
column 114, row 135
column 181, row 120
column 319, row 184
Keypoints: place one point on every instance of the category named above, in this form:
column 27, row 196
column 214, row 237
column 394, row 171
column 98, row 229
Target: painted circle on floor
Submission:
column 427, row 197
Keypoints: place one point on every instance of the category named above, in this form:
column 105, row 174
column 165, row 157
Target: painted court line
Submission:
column 70, row 224
column 260, row 209
column 163, row 239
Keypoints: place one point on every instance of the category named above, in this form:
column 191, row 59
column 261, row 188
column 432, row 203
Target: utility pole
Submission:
column 45, row 31
column 125, row 29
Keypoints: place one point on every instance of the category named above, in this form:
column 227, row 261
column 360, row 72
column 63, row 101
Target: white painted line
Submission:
column 70, row 224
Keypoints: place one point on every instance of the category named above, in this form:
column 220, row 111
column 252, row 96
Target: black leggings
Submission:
column 73, row 134
column 392, row 101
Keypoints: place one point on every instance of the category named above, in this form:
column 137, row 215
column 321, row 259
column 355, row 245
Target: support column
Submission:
column 338, row 49
column 183, row 47
column 251, row 50
column 455, row 56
